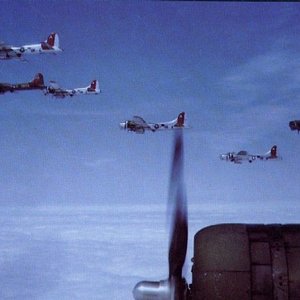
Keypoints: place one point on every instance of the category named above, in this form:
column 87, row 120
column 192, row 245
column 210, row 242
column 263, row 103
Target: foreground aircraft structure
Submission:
column 139, row 125
column 230, row 261
column 295, row 125
column 51, row 45
column 56, row 91
column 36, row 84
column 241, row 156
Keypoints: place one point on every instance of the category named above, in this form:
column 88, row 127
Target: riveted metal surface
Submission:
column 261, row 276
column 222, row 247
column 279, row 273
column 293, row 259
column 260, row 253
column 221, row 267
column 222, row 286
column 247, row 262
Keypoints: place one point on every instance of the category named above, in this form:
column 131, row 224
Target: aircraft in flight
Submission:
column 36, row 84
column 51, row 45
column 295, row 125
column 243, row 155
column 56, row 91
column 139, row 125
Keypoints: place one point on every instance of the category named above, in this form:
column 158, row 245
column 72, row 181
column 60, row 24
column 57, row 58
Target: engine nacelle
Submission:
column 247, row 262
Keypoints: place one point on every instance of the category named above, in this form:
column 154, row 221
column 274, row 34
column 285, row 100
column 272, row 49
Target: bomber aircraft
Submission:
column 51, row 45
column 56, row 91
column 231, row 261
column 139, row 125
column 243, row 155
column 36, row 84
column 295, row 125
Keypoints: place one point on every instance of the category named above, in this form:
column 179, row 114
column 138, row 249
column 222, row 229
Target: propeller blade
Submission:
column 175, row 287
column 177, row 199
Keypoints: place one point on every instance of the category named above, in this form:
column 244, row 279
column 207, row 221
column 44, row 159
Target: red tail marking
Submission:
column 93, row 85
column 49, row 43
column 274, row 151
column 38, row 80
column 50, row 40
column 180, row 119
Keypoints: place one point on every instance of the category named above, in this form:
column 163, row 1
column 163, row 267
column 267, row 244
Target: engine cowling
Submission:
column 246, row 262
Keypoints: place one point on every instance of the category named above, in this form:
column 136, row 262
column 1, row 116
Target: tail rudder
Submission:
column 38, row 80
column 51, row 42
column 180, row 120
column 273, row 151
column 94, row 87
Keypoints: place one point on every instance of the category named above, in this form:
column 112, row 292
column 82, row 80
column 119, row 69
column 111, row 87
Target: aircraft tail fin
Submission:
column 273, row 152
column 38, row 80
column 94, row 87
column 180, row 122
column 51, row 42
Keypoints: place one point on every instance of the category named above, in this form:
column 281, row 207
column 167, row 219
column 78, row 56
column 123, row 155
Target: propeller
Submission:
column 175, row 287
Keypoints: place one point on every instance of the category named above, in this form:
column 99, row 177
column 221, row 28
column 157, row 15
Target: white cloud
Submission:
column 270, row 77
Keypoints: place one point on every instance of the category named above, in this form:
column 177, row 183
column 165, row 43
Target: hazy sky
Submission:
column 234, row 68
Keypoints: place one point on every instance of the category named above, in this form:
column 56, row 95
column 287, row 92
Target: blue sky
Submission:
column 232, row 67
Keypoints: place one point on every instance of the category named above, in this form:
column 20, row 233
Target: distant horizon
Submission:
column 84, row 203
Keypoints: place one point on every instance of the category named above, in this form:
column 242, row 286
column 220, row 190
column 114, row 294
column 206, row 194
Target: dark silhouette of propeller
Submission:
column 175, row 287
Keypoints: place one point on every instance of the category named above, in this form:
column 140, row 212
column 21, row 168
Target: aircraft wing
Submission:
column 56, row 90
column 60, row 92
column 5, row 48
column 54, row 85
column 6, row 51
column 242, row 152
column 236, row 159
column 5, row 87
column 139, row 121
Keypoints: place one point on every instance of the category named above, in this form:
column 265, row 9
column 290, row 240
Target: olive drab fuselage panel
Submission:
column 247, row 262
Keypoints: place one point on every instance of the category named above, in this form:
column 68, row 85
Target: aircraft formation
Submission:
column 210, row 280
column 49, row 46
column 137, row 124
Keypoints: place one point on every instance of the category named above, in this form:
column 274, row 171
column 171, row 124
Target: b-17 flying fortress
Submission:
column 243, row 155
column 51, row 45
column 139, row 125
column 36, row 84
column 56, row 91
